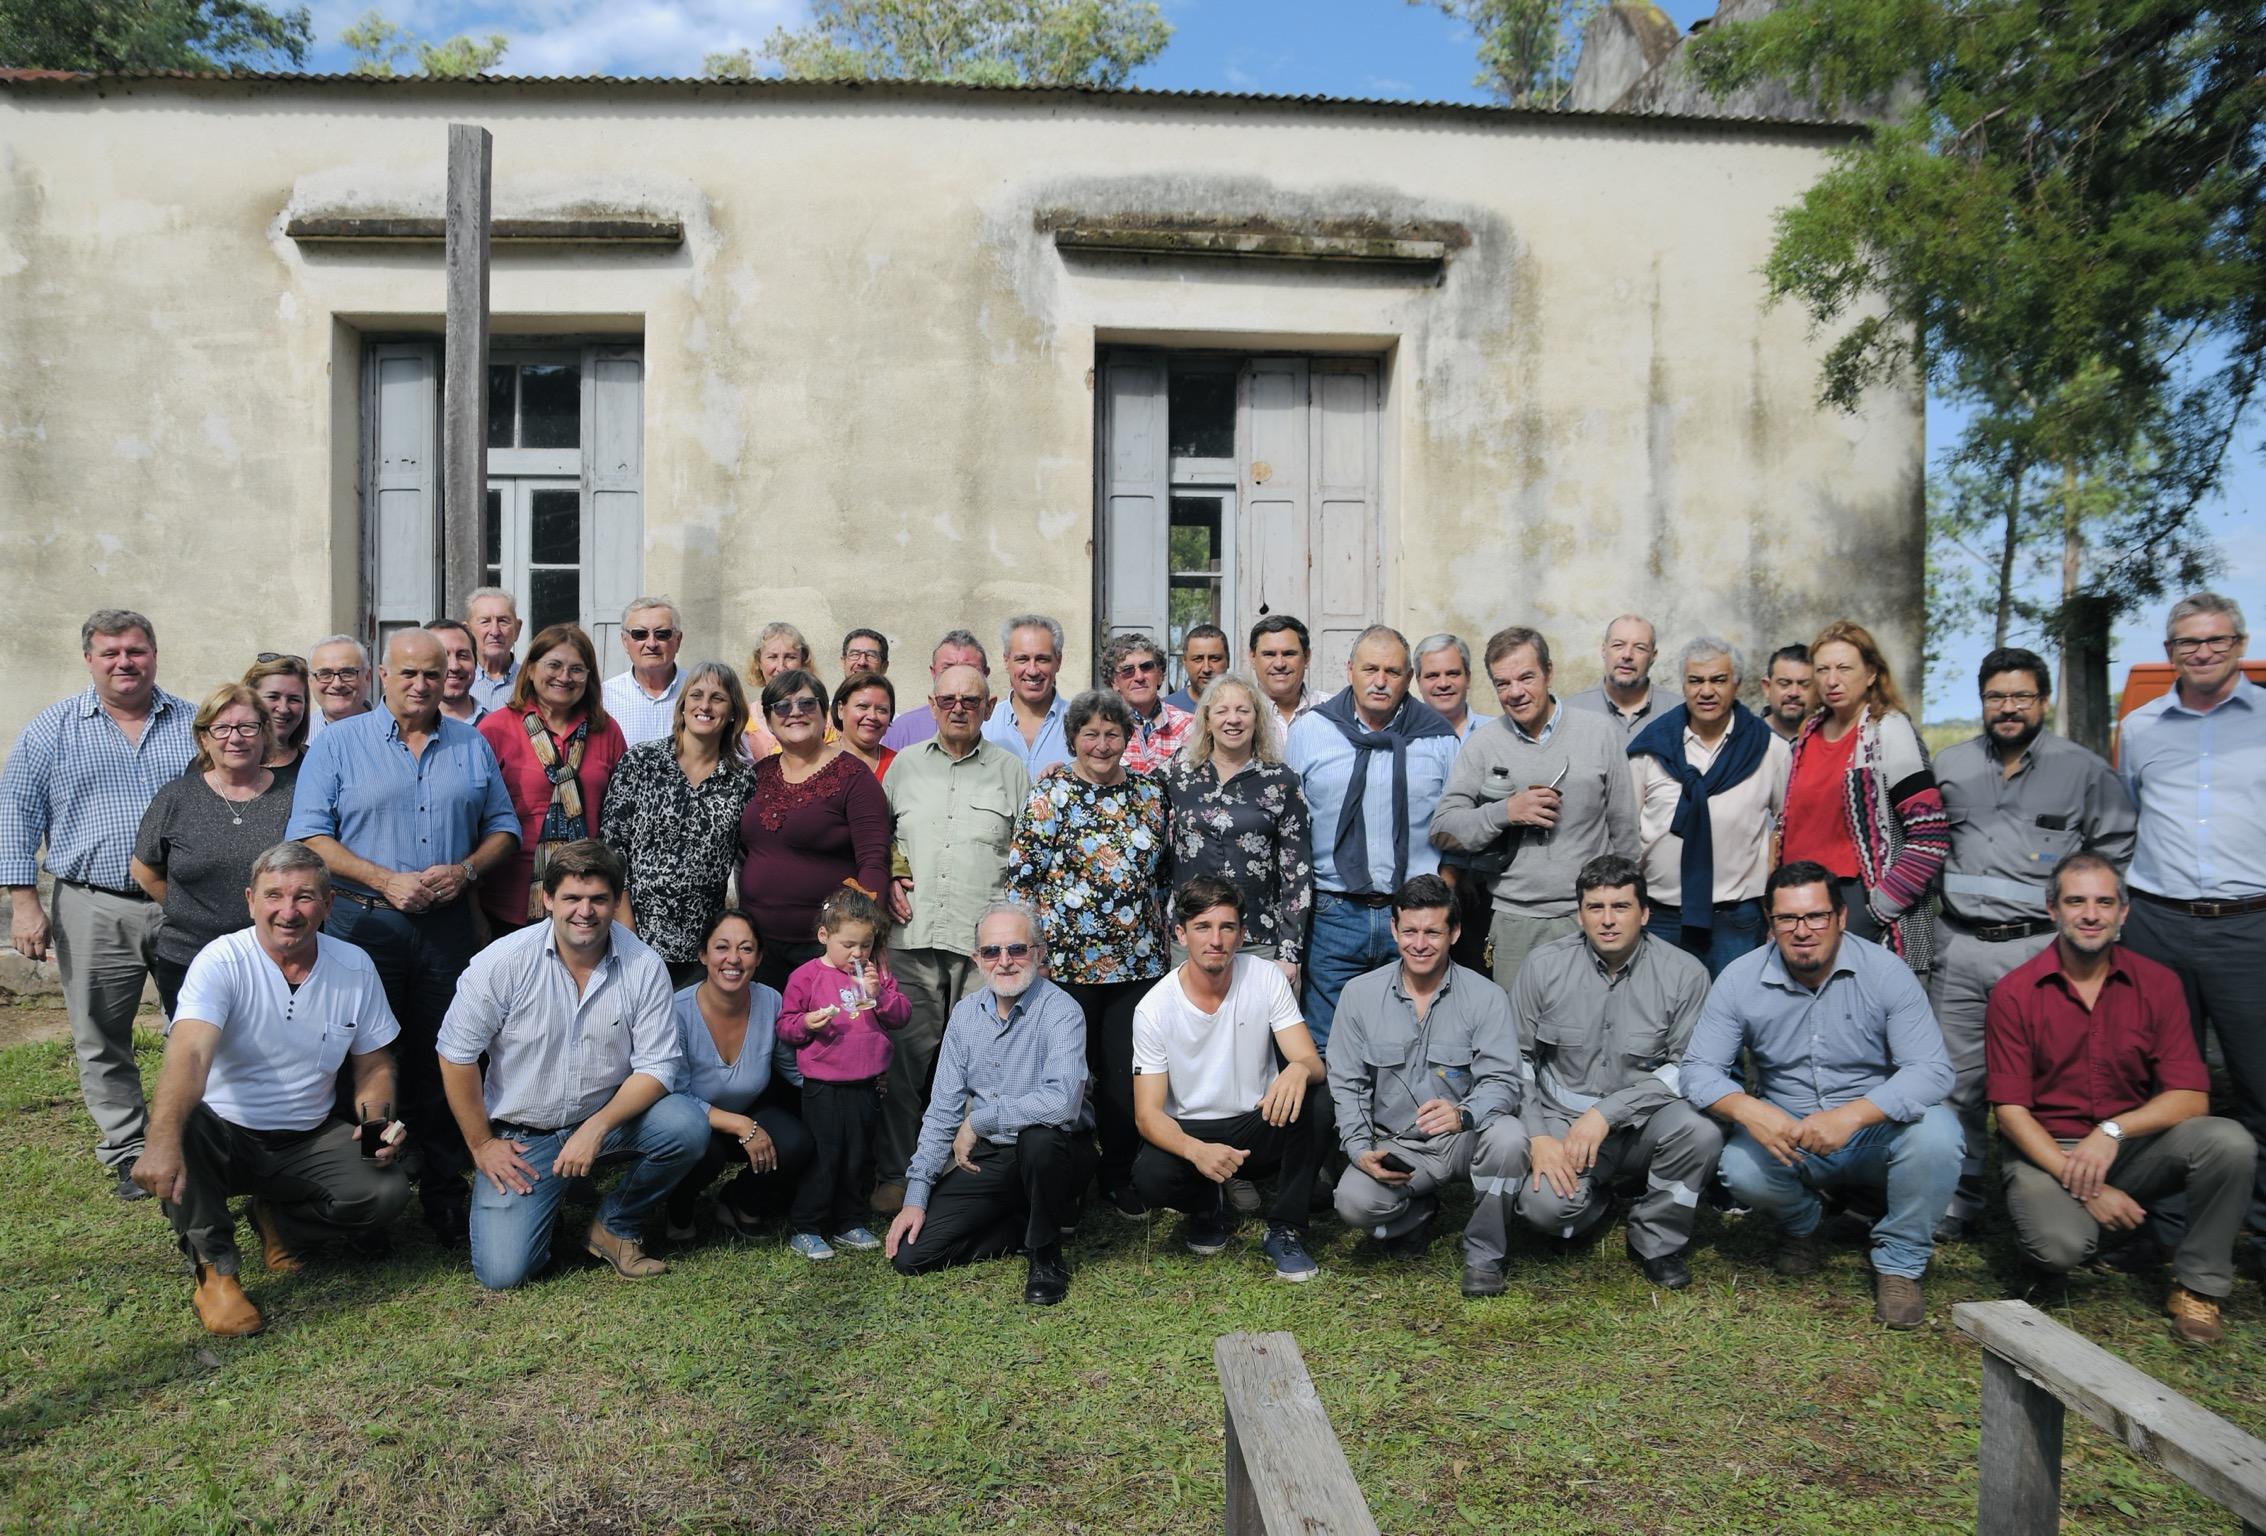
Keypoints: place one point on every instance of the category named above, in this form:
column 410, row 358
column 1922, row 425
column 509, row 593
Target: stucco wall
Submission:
column 868, row 392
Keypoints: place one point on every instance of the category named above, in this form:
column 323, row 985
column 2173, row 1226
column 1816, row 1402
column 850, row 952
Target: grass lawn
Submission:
column 748, row 1390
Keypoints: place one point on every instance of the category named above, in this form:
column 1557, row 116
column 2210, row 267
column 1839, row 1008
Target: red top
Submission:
column 888, row 756
column 1816, row 820
column 800, row 842
column 504, row 891
column 2073, row 1067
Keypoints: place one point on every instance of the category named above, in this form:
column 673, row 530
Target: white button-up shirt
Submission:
column 641, row 715
column 1741, row 819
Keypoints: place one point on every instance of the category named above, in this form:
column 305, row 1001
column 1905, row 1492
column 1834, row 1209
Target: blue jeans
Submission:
column 1917, row 1164
column 1346, row 940
column 1739, row 929
column 511, row 1234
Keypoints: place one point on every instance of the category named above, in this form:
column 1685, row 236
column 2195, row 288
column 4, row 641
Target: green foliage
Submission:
column 104, row 36
column 377, row 45
column 977, row 42
column 1527, row 48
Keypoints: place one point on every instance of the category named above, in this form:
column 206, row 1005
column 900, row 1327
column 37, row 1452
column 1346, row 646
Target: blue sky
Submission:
column 1381, row 48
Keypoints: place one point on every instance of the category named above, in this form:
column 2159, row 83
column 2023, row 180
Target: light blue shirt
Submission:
column 712, row 1082
column 75, row 783
column 1319, row 754
column 641, row 716
column 2200, row 783
column 1473, row 720
column 494, row 692
column 1037, row 757
column 1867, row 1033
column 1002, row 1075
column 359, row 785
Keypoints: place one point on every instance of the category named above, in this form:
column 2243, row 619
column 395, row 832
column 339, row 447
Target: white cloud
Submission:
column 574, row 37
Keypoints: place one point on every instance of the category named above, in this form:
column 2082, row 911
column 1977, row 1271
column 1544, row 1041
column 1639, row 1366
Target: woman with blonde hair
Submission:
column 1861, row 798
column 557, row 748
column 779, row 649
column 287, row 693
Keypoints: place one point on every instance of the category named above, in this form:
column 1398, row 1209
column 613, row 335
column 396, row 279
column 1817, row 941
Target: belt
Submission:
column 2000, row 933
column 136, row 894
column 2241, row 906
column 518, row 1132
column 371, row 902
column 1371, row 899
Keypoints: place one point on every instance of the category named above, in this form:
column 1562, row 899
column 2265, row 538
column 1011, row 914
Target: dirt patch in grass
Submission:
column 44, row 1024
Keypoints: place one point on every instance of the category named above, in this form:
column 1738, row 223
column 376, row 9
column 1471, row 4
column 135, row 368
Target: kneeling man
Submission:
column 1853, row 1076
column 1424, row 1072
column 244, row 1103
column 1226, row 1083
column 1604, row 1016
column 1007, row 1140
column 576, row 1018
column 2091, row 1065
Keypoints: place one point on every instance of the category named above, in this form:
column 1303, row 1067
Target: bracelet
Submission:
column 753, row 1131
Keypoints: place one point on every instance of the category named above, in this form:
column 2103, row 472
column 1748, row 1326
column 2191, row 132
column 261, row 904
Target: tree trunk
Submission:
column 2072, row 555
column 2007, row 548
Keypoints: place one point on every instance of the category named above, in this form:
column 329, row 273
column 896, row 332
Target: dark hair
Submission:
column 2013, row 658
column 847, row 904
column 570, row 637
column 1422, row 893
column 1203, row 632
column 2076, row 863
column 789, row 683
column 1800, row 653
column 1200, row 893
column 435, row 626
column 1517, row 637
column 730, row 915
column 1093, row 704
column 1609, row 872
column 1281, row 623
column 585, row 857
column 854, row 682
column 879, row 639
column 1801, row 872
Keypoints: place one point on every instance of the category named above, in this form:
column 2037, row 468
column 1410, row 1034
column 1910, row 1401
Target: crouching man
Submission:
column 244, row 1103
column 1424, row 1073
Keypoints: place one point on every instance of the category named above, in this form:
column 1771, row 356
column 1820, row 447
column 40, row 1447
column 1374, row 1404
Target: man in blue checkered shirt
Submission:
column 77, row 782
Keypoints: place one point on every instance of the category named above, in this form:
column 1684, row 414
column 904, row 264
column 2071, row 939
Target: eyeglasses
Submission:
column 862, row 658
column 800, row 704
column 1139, row 668
column 2021, row 700
column 954, row 702
column 336, row 674
column 994, row 951
column 267, row 656
column 664, row 634
column 2215, row 645
column 572, row 671
column 1788, row 922
column 232, row 730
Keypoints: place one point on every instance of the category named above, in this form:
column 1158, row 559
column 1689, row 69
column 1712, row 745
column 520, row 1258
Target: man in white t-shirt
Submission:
column 1226, row 1083
column 245, row 1102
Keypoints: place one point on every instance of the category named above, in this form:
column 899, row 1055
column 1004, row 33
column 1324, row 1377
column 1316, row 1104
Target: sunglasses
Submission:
column 267, row 656
column 801, row 704
column 1138, row 668
column 958, row 701
column 994, row 951
column 664, row 633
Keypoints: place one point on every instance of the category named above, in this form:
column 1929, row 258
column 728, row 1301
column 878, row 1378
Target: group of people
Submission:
column 1248, row 948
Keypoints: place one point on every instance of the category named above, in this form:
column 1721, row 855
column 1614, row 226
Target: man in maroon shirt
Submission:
column 2101, row 1096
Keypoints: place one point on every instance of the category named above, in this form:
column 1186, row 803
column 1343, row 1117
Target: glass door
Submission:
column 534, row 544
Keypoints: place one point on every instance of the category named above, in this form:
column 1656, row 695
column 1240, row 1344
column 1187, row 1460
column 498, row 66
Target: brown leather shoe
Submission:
column 222, row 1305
column 2195, row 1318
column 888, row 1199
column 1800, row 1255
column 1897, row 1301
column 630, row 1260
column 273, row 1253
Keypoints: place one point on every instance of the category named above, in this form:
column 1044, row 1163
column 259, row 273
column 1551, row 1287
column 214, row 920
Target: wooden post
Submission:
column 2020, row 1489
column 1286, row 1473
column 2086, row 624
column 464, row 385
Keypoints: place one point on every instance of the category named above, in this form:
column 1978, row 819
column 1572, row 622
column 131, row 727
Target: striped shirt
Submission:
column 1003, row 1076
column 75, row 783
column 641, row 716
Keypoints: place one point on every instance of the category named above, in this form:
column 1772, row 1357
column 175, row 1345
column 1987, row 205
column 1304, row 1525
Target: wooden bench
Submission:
column 1286, row 1475
column 2034, row 1369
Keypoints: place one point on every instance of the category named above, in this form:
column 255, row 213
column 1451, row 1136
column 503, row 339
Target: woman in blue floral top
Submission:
column 1089, row 854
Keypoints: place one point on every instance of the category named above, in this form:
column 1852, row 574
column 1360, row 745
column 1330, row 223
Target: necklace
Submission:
column 235, row 807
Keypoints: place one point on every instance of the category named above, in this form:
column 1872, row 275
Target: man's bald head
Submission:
column 414, row 665
column 960, row 699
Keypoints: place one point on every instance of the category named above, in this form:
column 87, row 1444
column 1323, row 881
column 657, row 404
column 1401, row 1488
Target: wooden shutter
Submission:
column 1134, row 582
column 613, row 488
column 1346, row 586
column 400, row 519
column 1272, row 451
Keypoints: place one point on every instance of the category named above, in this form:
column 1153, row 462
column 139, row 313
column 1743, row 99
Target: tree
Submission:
column 377, row 44
column 2063, row 229
column 1527, row 48
column 105, row 36
column 980, row 42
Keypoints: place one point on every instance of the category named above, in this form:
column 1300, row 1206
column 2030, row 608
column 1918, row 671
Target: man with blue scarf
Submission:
column 1710, row 781
column 1373, row 761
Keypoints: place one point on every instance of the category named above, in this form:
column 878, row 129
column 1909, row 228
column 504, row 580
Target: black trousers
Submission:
column 1292, row 1151
column 1019, row 1197
column 751, row 1193
column 168, row 974
column 1108, row 1007
column 317, row 1185
column 839, row 1118
column 1475, row 912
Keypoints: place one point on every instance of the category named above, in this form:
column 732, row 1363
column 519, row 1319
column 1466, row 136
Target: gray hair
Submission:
column 1383, row 632
column 1125, row 647
column 1009, row 908
column 1709, row 645
column 1097, row 704
column 1030, row 621
column 290, row 859
column 1442, row 642
column 360, row 650
column 2186, row 608
column 779, row 627
column 112, row 621
column 966, row 639
column 477, row 593
column 676, row 619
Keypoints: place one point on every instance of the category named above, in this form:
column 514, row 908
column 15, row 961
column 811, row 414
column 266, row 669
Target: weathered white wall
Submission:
column 868, row 392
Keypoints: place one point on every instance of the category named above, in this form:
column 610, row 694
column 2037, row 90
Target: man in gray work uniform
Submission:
column 1604, row 1016
column 2019, row 800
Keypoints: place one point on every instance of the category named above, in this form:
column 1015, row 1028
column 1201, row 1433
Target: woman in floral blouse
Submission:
column 673, row 814
column 1089, row 854
column 1239, row 813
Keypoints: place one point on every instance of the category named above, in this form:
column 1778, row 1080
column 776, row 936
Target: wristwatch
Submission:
column 2112, row 1130
column 1464, row 1116
column 471, row 875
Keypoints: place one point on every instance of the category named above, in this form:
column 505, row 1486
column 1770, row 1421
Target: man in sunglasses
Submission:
column 1853, row 1074
column 1134, row 665
column 953, row 798
column 643, row 700
column 1007, row 1141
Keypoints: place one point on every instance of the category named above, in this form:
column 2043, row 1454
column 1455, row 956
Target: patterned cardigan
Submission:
column 1896, row 819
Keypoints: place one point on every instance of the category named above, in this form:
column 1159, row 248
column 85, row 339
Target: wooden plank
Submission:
column 1244, row 1517
column 2019, row 1493
column 1295, row 1472
column 384, row 229
column 464, row 386
column 2148, row 1418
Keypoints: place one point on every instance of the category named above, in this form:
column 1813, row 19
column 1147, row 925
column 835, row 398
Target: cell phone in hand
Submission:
column 1395, row 1162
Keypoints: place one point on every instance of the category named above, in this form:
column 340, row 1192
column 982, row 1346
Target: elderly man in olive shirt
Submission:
column 954, row 799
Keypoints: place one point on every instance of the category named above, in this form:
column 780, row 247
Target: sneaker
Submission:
column 1206, row 1235
column 1897, row 1302
column 857, row 1240
column 1242, row 1197
column 1127, row 1202
column 2195, row 1318
column 127, row 1190
column 1800, row 1255
column 1288, row 1250
column 810, row 1245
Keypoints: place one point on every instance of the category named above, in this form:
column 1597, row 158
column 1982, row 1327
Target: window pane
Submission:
column 1201, row 416
column 499, row 405
column 556, row 599
column 492, row 536
column 1195, row 534
column 550, row 397
column 556, row 537
column 1196, row 570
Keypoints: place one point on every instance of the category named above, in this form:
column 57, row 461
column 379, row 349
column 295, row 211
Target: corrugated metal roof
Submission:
column 1497, row 111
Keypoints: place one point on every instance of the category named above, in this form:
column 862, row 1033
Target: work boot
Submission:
column 1482, row 1280
column 1897, row 1302
column 628, row 1257
column 222, row 1305
column 2195, row 1318
column 1800, row 1255
column 1048, row 1281
column 278, row 1258
column 1668, row 1271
